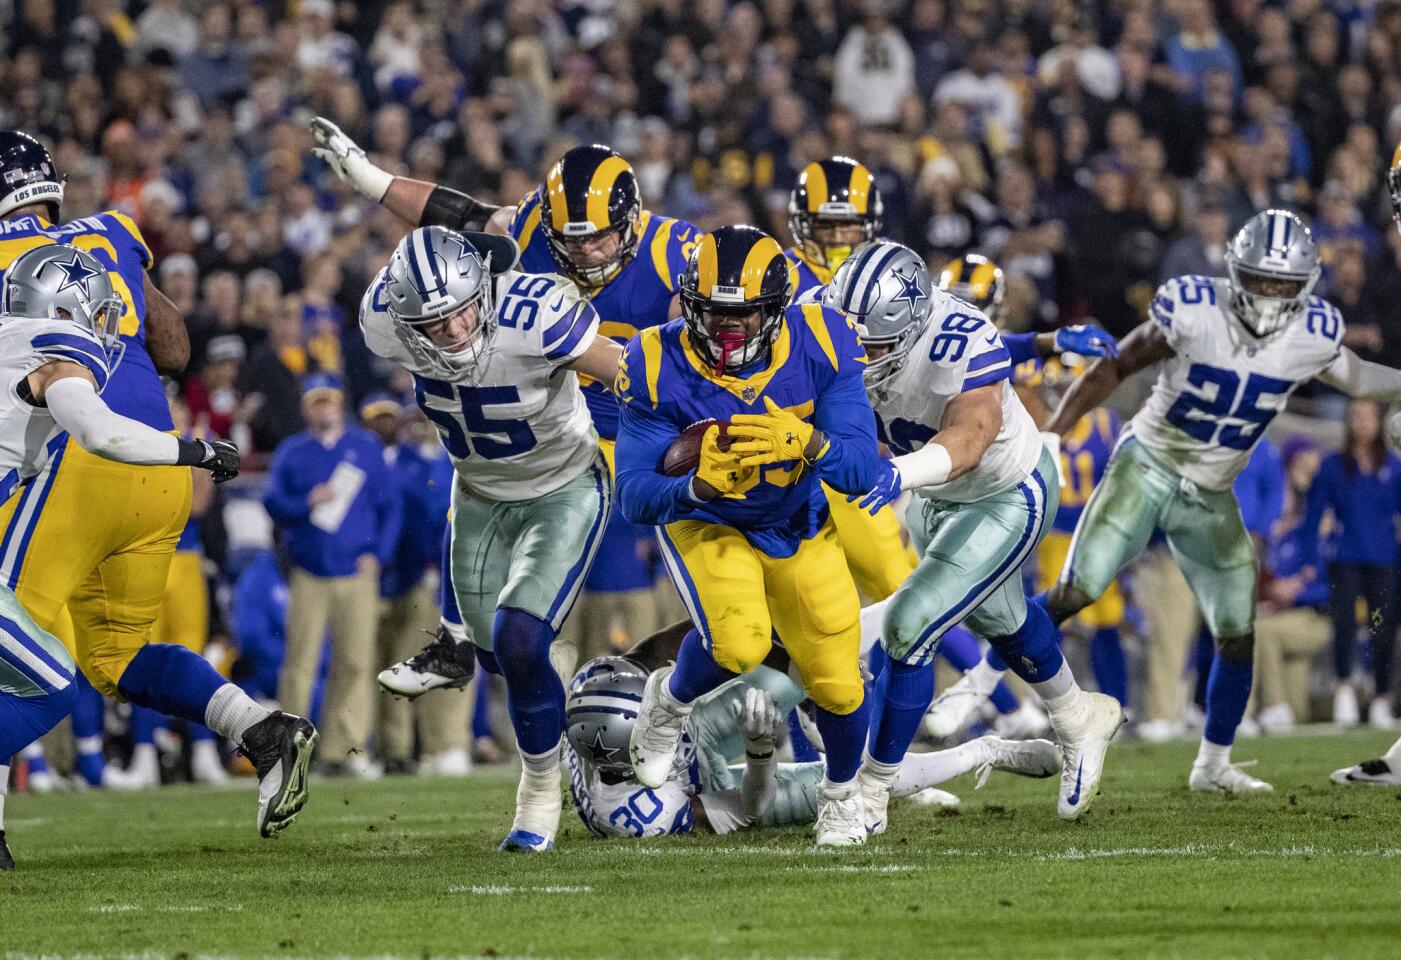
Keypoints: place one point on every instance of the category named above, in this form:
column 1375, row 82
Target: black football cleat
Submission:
column 444, row 664
column 7, row 861
column 280, row 748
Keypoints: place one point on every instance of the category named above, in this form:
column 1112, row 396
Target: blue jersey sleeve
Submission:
column 645, row 495
column 1020, row 346
column 843, row 411
column 75, row 347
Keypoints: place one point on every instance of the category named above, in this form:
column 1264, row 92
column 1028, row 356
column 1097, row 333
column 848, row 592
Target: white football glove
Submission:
column 759, row 719
column 347, row 158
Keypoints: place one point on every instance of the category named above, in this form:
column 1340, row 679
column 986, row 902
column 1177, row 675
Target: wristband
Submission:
column 456, row 211
column 192, row 453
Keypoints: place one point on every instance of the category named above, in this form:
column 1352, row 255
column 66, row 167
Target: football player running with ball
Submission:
column 495, row 355
column 985, row 492
column 1232, row 351
column 746, row 535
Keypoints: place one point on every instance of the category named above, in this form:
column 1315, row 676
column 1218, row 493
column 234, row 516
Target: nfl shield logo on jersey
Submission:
column 748, row 394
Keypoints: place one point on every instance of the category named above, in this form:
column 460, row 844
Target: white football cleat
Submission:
column 841, row 821
column 456, row 762
column 955, row 708
column 1158, row 731
column 1083, row 745
column 875, row 799
column 1379, row 714
column 1373, row 773
column 1023, row 723
column 1276, row 718
column 206, row 766
column 656, row 735
column 538, row 806
column 934, row 797
column 1346, row 712
column 1025, row 758
column 1219, row 777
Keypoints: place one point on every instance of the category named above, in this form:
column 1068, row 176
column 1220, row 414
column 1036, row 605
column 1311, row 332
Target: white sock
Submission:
column 144, row 753
column 1393, row 756
column 541, row 764
column 4, row 789
column 1061, row 688
column 1213, row 753
column 88, row 746
column 884, row 772
column 839, row 791
column 455, row 630
column 984, row 677
column 231, row 712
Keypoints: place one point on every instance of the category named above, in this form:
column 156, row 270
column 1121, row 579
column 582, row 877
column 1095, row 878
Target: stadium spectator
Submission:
column 1360, row 487
column 212, row 394
column 874, row 68
column 340, row 518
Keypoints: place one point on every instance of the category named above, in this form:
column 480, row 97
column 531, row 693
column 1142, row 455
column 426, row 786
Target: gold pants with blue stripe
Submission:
column 737, row 596
column 96, row 537
column 878, row 557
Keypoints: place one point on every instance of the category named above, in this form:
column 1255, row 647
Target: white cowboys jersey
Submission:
column 28, row 435
column 959, row 350
column 1213, row 400
column 628, row 809
column 518, row 429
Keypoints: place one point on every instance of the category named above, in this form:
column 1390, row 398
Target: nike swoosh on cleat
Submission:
column 1074, row 798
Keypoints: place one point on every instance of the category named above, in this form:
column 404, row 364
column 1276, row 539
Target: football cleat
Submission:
column 206, row 766
column 1025, row 758
column 955, row 708
column 1346, row 712
column 1224, row 778
column 444, row 664
column 934, row 797
column 1023, row 723
column 7, row 860
column 656, row 735
column 841, row 821
column 280, row 748
column 1083, row 746
column 1372, row 773
column 875, row 799
column 538, row 805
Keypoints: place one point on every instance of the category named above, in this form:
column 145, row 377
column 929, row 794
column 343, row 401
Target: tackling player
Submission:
column 495, row 356
column 985, row 492
column 747, row 536
column 97, row 536
column 1233, row 350
column 59, row 338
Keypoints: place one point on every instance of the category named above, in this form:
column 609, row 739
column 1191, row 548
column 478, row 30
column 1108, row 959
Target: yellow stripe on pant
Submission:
column 98, row 537
column 878, row 557
column 739, row 595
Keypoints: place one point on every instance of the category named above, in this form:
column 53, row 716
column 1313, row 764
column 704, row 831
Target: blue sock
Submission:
column 1004, row 699
column 1110, row 667
column 845, row 739
column 959, row 649
column 34, row 759
column 481, row 708
column 903, row 695
column 1033, row 652
column 994, row 659
column 534, row 694
column 1042, row 600
column 87, row 732
column 696, row 671
column 803, row 750
column 144, row 724
column 171, row 680
column 1227, row 690
column 25, row 719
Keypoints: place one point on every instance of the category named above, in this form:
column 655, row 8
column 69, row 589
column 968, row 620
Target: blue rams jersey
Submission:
column 1084, row 455
column 813, row 369
column 135, row 389
column 638, row 297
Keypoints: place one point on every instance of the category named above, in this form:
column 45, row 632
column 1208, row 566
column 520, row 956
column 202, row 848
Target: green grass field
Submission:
column 408, row 869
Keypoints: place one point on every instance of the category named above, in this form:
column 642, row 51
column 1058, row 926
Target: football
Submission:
column 683, row 455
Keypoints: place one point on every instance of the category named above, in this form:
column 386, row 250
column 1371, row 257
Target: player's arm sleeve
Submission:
column 77, row 408
column 570, row 333
column 1021, row 347
column 284, row 504
column 1362, row 379
column 843, row 414
column 724, row 810
column 450, row 208
column 645, row 495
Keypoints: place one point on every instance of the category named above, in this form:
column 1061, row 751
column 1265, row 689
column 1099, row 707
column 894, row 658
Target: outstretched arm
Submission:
column 1142, row 348
column 167, row 340
column 1362, row 379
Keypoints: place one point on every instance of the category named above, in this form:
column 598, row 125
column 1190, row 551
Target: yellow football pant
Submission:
column 737, row 596
column 184, row 614
column 97, row 536
column 1107, row 611
column 879, row 559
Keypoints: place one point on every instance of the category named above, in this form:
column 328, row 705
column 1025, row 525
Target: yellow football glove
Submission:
column 720, row 469
column 774, row 437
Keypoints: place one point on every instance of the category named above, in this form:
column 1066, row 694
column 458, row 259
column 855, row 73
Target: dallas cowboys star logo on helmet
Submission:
column 909, row 289
column 76, row 273
column 600, row 752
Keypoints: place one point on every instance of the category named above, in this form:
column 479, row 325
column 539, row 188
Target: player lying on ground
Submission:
column 495, row 355
column 985, row 491
column 59, row 323
column 726, row 776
